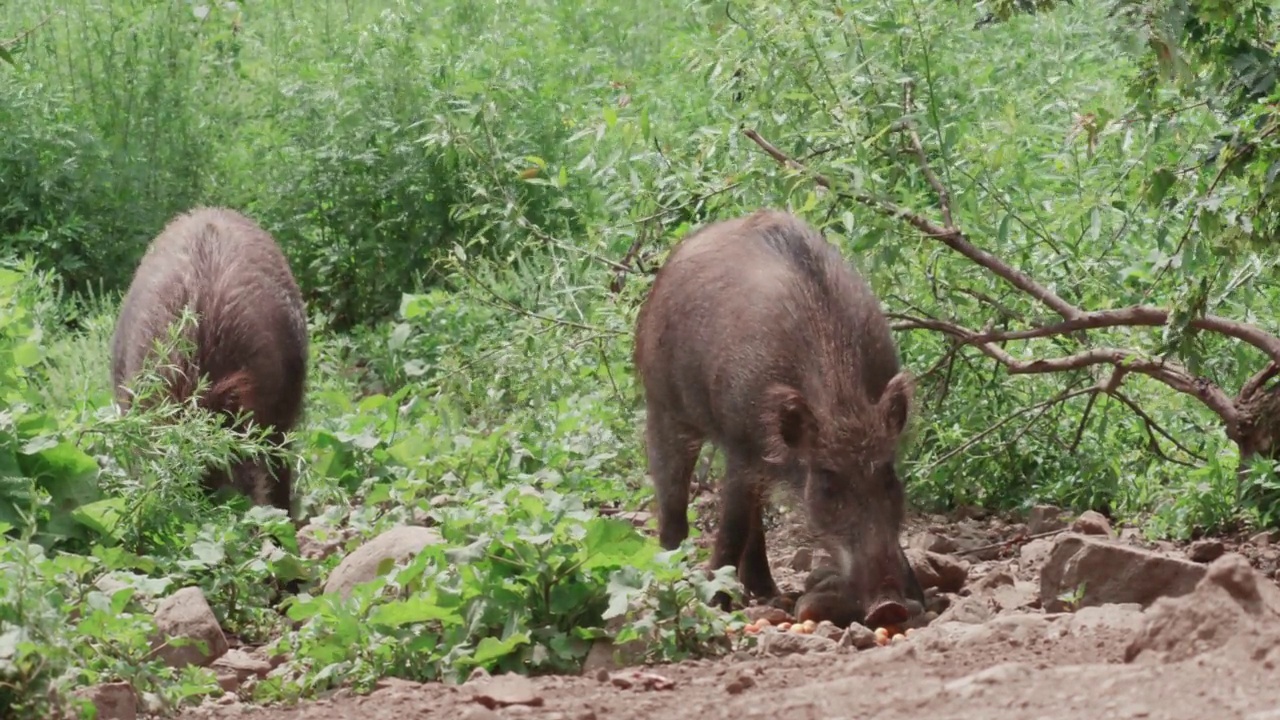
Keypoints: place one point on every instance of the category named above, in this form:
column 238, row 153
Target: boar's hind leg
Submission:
column 740, row 538
column 673, row 452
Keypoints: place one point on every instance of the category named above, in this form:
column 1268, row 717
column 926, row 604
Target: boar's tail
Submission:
column 230, row 395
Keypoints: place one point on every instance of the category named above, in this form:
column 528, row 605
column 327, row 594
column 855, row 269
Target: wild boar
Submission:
column 758, row 336
column 250, row 336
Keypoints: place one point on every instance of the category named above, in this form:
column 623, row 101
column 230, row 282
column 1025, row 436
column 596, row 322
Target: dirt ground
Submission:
column 993, row 653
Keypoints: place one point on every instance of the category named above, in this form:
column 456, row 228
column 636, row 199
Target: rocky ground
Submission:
column 1050, row 617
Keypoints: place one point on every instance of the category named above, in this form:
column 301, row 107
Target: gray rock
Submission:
column 1111, row 572
column 396, row 544
column 186, row 615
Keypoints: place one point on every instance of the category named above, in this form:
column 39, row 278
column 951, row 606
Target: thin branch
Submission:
column 1042, row 405
column 1154, row 427
column 953, row 239
column 1262, row 377
column 13, row 41
column 1144, row 316
column 944, row 198
column 1171, row 374
column 1014, row 541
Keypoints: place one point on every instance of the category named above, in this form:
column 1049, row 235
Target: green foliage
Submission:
column 460, row 189
column 43, row 474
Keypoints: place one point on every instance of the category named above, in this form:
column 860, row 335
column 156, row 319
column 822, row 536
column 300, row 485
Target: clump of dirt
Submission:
column 993, row 652
column 1232, row 609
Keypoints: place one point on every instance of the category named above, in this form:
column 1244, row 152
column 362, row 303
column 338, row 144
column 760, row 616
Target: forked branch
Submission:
column 1074, row 319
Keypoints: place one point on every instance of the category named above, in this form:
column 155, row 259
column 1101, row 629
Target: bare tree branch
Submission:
column 953, row 239
column 1145, row 316
column 1170, row 373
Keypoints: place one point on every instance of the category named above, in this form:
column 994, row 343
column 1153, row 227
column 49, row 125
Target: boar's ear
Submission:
column 895, row 402
column 788, row 423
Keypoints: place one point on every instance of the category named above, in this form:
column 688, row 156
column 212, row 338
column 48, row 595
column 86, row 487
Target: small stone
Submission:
column 242, row 664
column 933, row 542
column 935, row 570
column 971, row 610
column 1262, row 539
column 506, row 690
column 828, row 630
column 478, row 674
column 620, row 681
column 747, row 681
column 788, row 643
column 734, row 688
column 802, row 561
column 187, row 615
column 1205, row 551
column 113, row 701
column 1092, row 523
column 858, row 637
column 396, row 544
column 774, row 615
column 1045, row 518
column 228, row 681
column 602, row 675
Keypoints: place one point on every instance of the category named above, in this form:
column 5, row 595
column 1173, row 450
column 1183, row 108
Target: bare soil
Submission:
column 1209, row 654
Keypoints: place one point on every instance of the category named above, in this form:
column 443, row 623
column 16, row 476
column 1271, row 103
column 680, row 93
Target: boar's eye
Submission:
column 826, row 484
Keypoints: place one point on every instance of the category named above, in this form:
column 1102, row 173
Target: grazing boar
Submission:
column 758, row 336
column 250, row 335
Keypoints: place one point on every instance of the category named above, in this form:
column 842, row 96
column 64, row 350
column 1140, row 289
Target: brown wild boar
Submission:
column 249, row 339
column 758, row 336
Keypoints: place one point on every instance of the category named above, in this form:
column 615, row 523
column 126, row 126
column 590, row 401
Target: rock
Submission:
column 1262, row 539
column 1045, row 518
column 186, row 614
column 113, row 701
column 609, row 656
column 1009, row 673
column 933, row 542
column 828, row 630
column 737, row 686
column 477, row 674
column 1205, row 551
column 317, row 541
column 1111, row 573
column 972, row 610
column 1092, row 523
column 858, row 637
column 1123, row 618
column 935, row 570
column 1007, row 592
column 773, row 614
column 228, row 681
column 638, row 518
column 505, row 690
column 802, row 561
column 242, row 665
column 1231, row 605
column 395, row 544
column 787, row 643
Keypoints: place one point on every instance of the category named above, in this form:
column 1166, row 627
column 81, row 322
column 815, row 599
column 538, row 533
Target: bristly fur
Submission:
column 249, row 338
column 759, row 336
